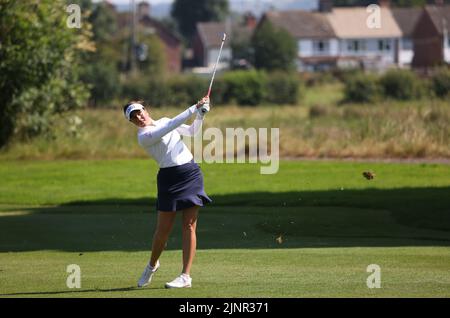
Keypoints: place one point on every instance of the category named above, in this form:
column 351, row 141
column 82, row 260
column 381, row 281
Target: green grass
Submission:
column 331, row 272
column 327, row 94
column 310, row 231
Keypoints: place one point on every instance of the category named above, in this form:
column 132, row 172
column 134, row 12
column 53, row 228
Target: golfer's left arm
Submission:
column 196, row 126
column 193, row 129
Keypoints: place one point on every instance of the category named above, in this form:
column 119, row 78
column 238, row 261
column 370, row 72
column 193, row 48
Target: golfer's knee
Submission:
column 189, row 227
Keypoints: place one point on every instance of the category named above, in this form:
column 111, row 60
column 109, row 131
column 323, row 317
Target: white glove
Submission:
column 204, row 109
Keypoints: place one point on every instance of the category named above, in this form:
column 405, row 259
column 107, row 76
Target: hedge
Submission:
column 401, row 85
column 362, row 88
column 441, row 83
column 247, row 88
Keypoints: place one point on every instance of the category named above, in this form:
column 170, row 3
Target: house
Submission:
column 360, row 44
column 146, row 23
column 206, row 44
column 208, row 38
column 341, row 37
column 407, row 20
column 431, row 37
column 318, row 46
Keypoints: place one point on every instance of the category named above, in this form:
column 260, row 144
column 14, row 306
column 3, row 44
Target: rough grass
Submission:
column 318, row 127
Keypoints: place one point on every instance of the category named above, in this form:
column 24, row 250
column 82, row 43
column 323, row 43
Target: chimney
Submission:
column 384, row 3
column 250, row 20
column 143, row 10
column 325, row 5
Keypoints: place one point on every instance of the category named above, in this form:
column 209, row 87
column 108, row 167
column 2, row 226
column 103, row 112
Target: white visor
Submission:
column 132, row 108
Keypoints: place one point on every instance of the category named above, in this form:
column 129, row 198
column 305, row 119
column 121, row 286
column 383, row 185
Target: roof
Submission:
column 162, row 31
column 440, row 15
column 302, row 24
column 165, row 34
column 407, row 19
column 352, row 23
column 211, row 32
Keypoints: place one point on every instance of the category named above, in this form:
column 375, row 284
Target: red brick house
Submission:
column 172, row 43
column 431, row 37
column 407, row 20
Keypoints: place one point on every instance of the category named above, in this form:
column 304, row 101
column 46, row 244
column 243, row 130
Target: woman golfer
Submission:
column 179, row 180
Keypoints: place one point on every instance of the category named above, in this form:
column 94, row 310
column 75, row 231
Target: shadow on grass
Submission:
column 53, row 293
column 335, row 218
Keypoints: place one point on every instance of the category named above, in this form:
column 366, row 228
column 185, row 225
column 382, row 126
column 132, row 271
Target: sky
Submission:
column 169, row 1
column 162, row 7
column 128, row 1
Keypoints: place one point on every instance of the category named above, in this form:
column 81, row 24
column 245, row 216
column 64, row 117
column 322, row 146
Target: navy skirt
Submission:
column 181, row 187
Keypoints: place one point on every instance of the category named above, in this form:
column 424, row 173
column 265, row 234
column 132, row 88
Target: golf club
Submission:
column 217, row 62
column 205, row 108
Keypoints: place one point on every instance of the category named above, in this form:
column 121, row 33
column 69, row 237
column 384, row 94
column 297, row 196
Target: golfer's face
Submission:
column 139, row 117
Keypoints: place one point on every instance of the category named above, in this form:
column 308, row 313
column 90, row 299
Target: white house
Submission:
column 317, row 43
column 344, row 37
column 374, row 46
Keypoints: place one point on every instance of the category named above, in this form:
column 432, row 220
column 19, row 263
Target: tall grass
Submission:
column 319, row 127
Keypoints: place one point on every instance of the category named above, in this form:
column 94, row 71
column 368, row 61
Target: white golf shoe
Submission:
column 146, row 277
column 182, row 281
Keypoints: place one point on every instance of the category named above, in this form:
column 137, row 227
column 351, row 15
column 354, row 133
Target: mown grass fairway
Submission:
column 310, row 230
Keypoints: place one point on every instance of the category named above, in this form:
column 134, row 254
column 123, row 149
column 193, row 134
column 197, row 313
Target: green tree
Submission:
column 188, row 12
column 241, row 48
column 102, row 78
column 274, row 48
column 104, row 22
column 100, row 72
column 39, row 55
column 153, row 62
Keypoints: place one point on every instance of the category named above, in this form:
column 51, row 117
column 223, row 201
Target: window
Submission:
column 352, row 46
column 384, row 45
column 356, row 45
column 407, row 44
column 321, row 46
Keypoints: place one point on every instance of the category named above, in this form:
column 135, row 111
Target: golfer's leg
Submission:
column 189, row 237
column 163, row 229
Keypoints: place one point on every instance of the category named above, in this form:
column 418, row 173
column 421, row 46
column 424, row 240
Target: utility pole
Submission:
column 445, row 33
column 133, row 39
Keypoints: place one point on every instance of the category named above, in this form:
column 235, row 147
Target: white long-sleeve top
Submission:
column 162, row 140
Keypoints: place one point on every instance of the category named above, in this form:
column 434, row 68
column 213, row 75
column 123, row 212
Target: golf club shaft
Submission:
column 217, row 62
